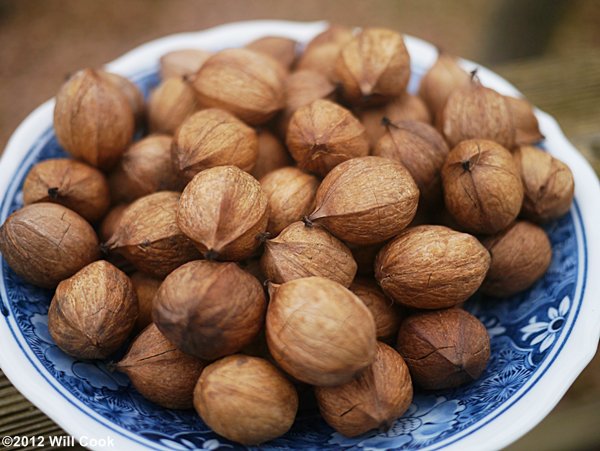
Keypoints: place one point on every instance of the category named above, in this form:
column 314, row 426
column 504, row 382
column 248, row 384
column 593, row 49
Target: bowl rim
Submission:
column 510, row 424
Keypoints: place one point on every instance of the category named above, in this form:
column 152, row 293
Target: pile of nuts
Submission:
column 292, row 220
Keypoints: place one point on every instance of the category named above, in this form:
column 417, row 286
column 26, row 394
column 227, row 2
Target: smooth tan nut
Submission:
column 548, row 184
column 366, row 200
column 70, row 183
column 170, row 103
column 246, row 399
column 431, row 267
column 210, row 309
column 323, row 134
column 441, row 80
column 301, row 251
column 291, row 194
column 374, row 400
column 93, row 119
column 211, row 138
column 477, row 112
column 421, row 149
column 444, row 349
column 248, row 84
column 224, row 211
column 144, row 169
column 161, row 372
column 482, row 186
column 46, row 243
column 520, row 256
column 373, row 67
column 385, row 312
column 93, row 312
column 527, row 128
column 282, row 50
column 319, row 332
column 272, row 155
column 145, row 287
column 149, row 238
column 322, row 51
column 182, row 63
column 131, row 92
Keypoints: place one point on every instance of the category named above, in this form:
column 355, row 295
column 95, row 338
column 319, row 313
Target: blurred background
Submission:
column 550, row 49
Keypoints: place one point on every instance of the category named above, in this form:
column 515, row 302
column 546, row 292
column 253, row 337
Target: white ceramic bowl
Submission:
column 541, row 339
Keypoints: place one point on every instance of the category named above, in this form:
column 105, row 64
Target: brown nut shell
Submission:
column 320, row 332
column 373, row 67
column 482, row 186
column 366, row 200
column 110, row 223
column 211, row 138
column 421, row 149
column 301, row 251
column 246, row 399
column 322, row 51
column 291, row 194
column 548, row 184
column 210, row 309
column 374, row 400
column 145, row 168
column 477, row 112
column 248, row 84
column 46, row 243
column 171, row 103
column 182, row 63
column 131, row 92
column 527, row 128
column 99, row 326
column 444, row 349
column 93, row 119
column 223, row 210
column 323, row 134
column 145, row 287
column 365, row 257
column 77, row 186
column 520, row 256
column 282, row 50
column 385, row 312
column 149, row 238
column 431, row 267
column 161, row 372
column 272, row 155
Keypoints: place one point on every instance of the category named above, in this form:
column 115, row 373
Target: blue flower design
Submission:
column 547, row 330
column 425, row 420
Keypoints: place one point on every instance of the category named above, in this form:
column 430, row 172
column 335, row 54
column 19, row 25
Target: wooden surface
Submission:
column 569, row 89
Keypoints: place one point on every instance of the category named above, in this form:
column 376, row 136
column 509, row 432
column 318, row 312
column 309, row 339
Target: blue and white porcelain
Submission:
column 541, row 339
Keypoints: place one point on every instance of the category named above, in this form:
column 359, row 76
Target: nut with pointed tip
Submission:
column 482, row 187
column 319, row 331
column 182, row 63
column 373, row 67
column 210, row 309
column 291, row 194
column 149, row 238
column 282, row 50
column 170, row 104
column 93, row 119
column 98, row 327
column 527, row 128
column 246, row 399
column 255, row 94
column 477, row 112
column 548, row 184
column 271, row 155
column 385, row 312
column 223, row 210
column 76, row 185
column 161, row 372
column 374, row 400
column 145, row 287
column 366, row 200
column 145, row 168
column 211, row 138
column 45, row 243
column 300, row 251
column 444, row 349
column 431, row 267
column 323, row 134
column 520, row 256
column 322, row 51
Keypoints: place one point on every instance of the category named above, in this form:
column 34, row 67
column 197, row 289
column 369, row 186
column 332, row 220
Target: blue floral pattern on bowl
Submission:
column 527, row 331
